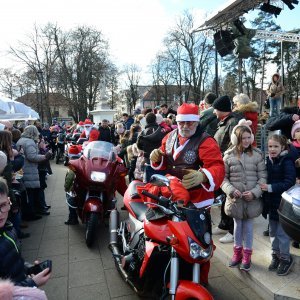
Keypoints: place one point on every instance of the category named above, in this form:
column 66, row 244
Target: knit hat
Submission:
column 209, row 98
column 187, row 112
column 223, row 103
column 241, row 99
column 159, row 119
column 294, row 128
column 241, row 123
column 3, row 161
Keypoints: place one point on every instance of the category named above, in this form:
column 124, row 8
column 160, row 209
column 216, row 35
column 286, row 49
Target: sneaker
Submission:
column 227, row 238
column 284, row 266
column 274, row 263
column 217, row 231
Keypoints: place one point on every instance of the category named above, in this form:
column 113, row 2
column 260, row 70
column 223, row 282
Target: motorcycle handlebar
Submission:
column 150, row 195
column 160, row 199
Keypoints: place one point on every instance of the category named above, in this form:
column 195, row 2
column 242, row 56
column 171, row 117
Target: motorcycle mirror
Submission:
column 159, row 180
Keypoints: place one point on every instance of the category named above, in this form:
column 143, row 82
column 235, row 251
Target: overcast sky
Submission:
column 134, row 28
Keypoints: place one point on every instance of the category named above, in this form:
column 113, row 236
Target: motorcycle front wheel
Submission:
column 91, row 228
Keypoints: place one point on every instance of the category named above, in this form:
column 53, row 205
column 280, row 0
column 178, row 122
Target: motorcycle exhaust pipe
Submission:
column 113, row 226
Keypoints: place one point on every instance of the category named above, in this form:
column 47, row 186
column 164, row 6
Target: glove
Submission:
column 193, row 178
column 272, row 94
column 156, row 155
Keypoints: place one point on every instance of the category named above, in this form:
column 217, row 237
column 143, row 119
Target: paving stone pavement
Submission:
column 80, row 273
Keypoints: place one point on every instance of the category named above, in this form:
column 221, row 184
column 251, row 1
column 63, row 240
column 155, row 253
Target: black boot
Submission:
column 71, row 222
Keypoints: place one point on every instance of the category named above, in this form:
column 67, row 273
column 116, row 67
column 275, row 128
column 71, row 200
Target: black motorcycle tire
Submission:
column 91, row 227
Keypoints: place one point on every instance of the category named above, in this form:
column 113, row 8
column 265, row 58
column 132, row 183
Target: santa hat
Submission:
column 73, row 151
column 88, row 122
column 294, row 128
column 81, row 123
column 187, row 112
column 241, row 123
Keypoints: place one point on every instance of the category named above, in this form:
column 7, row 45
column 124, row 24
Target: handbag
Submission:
column 267, row 103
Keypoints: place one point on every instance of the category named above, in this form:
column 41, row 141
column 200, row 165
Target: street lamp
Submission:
column 39, row 74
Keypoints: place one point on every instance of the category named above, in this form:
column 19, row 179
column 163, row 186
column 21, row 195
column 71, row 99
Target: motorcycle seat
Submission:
column 133, row 193
column 139, row 209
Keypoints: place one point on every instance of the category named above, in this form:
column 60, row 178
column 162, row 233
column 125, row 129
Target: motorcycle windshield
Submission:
column 200, row 222
column 100, row 149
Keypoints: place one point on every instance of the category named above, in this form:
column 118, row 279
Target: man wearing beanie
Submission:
column 208, row 120
column 227, row 121
column 193, row 156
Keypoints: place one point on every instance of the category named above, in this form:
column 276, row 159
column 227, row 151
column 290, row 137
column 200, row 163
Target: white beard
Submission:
column 187, row 133
column 88, row 130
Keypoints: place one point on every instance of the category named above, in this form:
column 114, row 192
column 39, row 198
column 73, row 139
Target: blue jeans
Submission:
column 275, row 104
column 280, row 241
column 243, row 233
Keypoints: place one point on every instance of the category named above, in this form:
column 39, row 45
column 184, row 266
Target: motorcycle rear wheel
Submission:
column 91, row 228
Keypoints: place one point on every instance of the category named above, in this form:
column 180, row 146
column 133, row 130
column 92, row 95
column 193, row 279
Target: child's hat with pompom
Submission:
column 294, row 128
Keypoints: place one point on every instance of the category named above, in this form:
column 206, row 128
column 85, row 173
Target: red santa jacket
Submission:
column 212, row 166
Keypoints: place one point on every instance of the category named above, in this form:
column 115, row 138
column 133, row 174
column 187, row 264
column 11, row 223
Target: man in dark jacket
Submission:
column 127, row 121
column 149, row 139
column 11, row 263
column 105, row 132
column 285, row 121
column 165, row 110
column 227, row 121
column 208, row 120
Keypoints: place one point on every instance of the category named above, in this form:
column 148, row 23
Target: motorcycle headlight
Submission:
column 197, row 252
column 98, row 176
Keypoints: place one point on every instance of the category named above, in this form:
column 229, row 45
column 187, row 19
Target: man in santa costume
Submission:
column 88, row 125
column 194, row 157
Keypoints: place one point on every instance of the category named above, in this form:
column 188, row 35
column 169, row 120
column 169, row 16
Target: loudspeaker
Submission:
column 224, row 42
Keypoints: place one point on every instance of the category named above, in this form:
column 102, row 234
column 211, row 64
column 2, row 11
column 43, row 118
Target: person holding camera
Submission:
column 12, row 265
column 275, row 92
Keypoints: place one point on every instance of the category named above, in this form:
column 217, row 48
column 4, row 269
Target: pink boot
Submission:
column 237, row 256
column 246, row 262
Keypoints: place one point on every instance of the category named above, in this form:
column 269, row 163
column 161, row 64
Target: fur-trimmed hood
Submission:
column 249, row 107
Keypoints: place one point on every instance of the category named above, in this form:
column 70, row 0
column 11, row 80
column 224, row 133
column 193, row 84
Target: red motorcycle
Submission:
column 99, row 173
column 159, row 250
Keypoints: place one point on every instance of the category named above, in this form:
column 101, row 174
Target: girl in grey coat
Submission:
column 244, row 172
column 28, row 144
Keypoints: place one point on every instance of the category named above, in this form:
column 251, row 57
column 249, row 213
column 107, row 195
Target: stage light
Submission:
column 224, row 42
column 290, row 3
column 271, row 9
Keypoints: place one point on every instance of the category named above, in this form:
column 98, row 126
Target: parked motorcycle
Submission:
column 157, row 249
column 98, row 172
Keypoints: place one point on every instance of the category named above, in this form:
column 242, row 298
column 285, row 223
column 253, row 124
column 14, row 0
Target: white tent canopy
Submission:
column 14, row 110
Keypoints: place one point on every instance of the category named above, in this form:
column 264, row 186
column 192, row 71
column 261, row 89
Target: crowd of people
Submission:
column 211, row 149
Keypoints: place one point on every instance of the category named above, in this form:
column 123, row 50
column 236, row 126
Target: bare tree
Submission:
column 83, row 66
column 133, row 74
column 195, row 54
column 39, row 54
